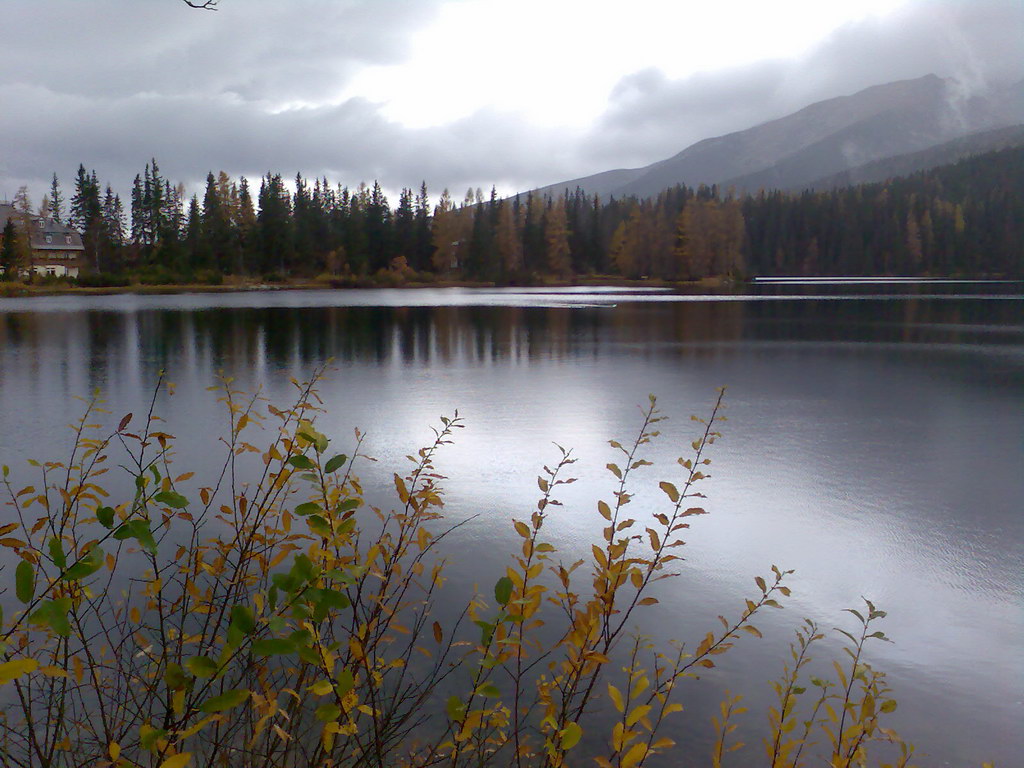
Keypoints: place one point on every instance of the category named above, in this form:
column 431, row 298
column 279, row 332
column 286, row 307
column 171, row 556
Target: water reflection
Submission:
column 85, row 350
column 874, row 443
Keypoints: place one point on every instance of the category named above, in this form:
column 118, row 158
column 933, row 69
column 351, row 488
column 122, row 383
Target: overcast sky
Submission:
column 458, row 93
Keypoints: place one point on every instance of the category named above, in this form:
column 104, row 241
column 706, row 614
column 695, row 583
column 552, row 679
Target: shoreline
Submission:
column 22, row 291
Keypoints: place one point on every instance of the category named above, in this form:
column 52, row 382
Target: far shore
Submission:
column 28, row 290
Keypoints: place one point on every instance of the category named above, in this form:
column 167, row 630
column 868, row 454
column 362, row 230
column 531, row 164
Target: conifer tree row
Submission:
column 964, row 219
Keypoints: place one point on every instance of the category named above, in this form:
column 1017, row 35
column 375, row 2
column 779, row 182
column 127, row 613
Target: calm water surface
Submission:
column 875, row 444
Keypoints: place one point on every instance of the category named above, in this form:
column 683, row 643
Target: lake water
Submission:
column 875, row 444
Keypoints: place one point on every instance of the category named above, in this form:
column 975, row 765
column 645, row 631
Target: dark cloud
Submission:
column 256, row 87
column 190, row 135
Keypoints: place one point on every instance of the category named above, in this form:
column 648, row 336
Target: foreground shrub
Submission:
column 271, row 617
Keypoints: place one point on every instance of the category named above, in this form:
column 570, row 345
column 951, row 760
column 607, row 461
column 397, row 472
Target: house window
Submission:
column 67, row 239
column 51, row 271
column 49, row 238
column 40, row 223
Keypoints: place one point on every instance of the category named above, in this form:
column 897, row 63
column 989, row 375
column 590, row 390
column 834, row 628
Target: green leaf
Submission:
column 318, row 439
column 86, row 566
column 53, row 614
column 319, row 526
column 486, row 632
column 303, row 569
column 490, row 690
column 456, row 709
column 25, row 581
column 234, row 638
column 57, row 553
column 171, row 499
column 274, row 646
column 301, row 462
column 226, row 700
column 301, row 638
column 571, row 735
column 149, row 739
column 328, row 713
column 888, row 706
column 139, row 530
column 309, row 508
column 345, row 682
column 201, row 666
column 284, row 582
column 175, row 677
column 326, row 599
column 242, row 618
column 335, row 463
column 105, row 516
column 503, row 590
column 348, row 505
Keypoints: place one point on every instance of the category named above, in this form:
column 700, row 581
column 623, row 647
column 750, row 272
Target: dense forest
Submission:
column 962, row 219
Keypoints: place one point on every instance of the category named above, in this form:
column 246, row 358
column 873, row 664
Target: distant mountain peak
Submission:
column 823, row 139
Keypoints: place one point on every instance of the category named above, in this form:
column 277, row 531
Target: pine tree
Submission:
column 507, row 242
column 217, row 250
column 113, row 218
column 9, row 252
column 138, row 207
column 87, row 214
column 274, row 222
column 56, row 200
column 424, row 248
column 246, row 226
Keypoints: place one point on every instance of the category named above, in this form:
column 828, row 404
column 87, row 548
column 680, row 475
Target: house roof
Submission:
column 45, row 234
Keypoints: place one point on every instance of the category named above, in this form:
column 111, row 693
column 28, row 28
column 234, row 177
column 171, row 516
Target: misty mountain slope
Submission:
column 895, row 132
column 933, row 157
column 716, row 160
column 822, row 139
column 603, row 184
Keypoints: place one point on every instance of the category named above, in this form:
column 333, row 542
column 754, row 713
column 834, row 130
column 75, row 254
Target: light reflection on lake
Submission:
column 875, row 442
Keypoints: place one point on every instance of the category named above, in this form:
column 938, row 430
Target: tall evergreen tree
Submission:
column 56, row 200
column 86, row 215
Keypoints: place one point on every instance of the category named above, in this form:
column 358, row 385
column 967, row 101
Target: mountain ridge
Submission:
column 820, row 140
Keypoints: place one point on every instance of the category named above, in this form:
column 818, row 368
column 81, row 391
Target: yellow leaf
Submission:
column 178, row 761
column 522, row 529
column 114, row 750
column 616, row 697
column 636, row 714
column 12, row 669
column 182, row 735
column 321, row 687
column 635, row 754
column 53, row 671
